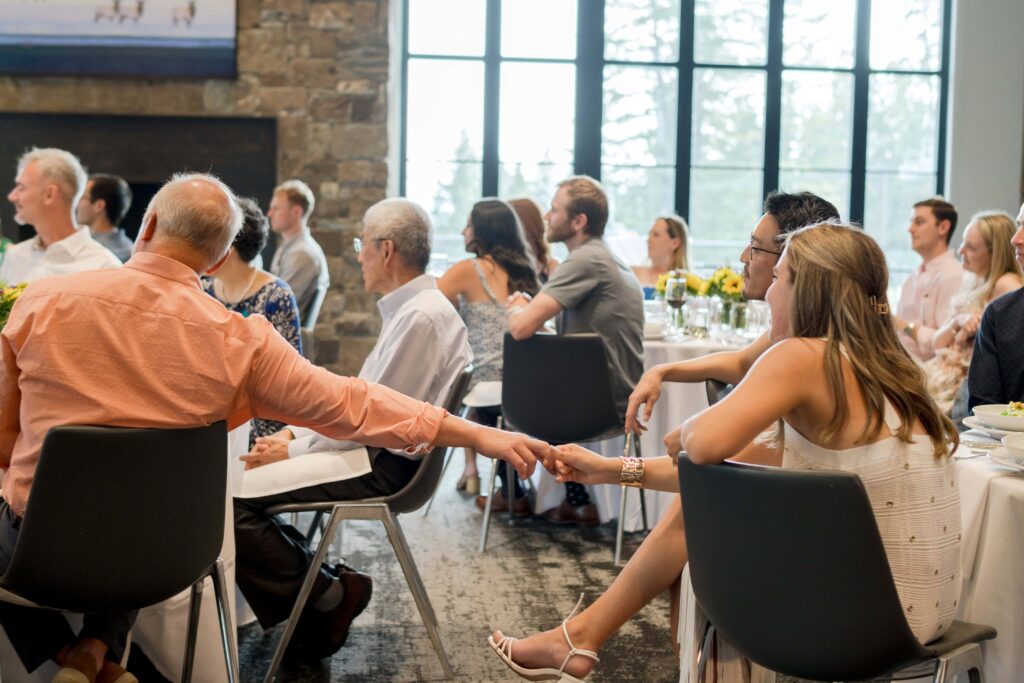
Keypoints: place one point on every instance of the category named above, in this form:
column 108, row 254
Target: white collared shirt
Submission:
column 422, row 348
column 29, row 260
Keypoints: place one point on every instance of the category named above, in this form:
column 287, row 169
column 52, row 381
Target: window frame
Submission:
column 590, row 63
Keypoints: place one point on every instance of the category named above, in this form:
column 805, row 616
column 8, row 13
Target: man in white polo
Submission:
column 46, row 190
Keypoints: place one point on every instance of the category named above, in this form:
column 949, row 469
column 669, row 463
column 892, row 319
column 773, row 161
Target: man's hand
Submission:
column 268, row 449
column 518, row 300
column 518, row 450
column 646, row 393
column 579, row 465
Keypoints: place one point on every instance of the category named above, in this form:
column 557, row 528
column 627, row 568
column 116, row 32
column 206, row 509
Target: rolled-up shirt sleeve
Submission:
column 284, row 386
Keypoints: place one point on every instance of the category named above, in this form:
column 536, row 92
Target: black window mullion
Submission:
column 684, row 130
column 589, row 87
column 773, row 92
column 492, row 93
column 947, row 20
column 861, row 80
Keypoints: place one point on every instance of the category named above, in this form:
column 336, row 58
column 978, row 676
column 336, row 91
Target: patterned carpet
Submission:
column 527, row 581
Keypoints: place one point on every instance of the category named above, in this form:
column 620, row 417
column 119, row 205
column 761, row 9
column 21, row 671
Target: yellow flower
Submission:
column 694, row 282
column 662, row 282
column 704, row 288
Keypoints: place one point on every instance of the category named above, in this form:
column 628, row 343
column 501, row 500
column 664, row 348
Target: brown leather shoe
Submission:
column 584, row 515
column 328, row 631
column 114, row 673
column 79, row 666
column 520, row 506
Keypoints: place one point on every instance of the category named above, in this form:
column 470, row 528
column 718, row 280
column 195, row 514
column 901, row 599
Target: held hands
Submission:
column 518, row 450
column 577, row 464
column 646, row 393
column 518, row 300
column 268, row 449
column 673, row 442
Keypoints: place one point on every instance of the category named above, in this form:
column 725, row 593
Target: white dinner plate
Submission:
column 1002, row 457
column 973, row 422
column 990, row 415
column 657, row 336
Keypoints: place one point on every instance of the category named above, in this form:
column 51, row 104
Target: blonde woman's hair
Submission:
column 60, row 167
column 678, row 229
column 839, row 294
column 996, row 229
column 298, row 194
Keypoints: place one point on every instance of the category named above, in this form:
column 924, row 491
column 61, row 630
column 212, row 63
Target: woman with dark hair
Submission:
column 246, row 289
column 532, row 218
column 479, row 287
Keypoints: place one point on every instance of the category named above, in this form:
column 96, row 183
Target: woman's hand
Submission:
column 646, row 393
column 577, row 464
column 674, row 442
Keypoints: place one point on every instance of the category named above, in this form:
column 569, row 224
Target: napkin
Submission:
column 306, row 470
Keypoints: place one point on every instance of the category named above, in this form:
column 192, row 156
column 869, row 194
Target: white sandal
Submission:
column 504, row 650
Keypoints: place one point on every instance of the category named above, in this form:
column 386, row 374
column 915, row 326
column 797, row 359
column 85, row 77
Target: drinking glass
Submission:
column 699, row 315
column 675, row 297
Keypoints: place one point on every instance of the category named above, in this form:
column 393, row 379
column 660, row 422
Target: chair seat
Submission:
column 484, row 395
column 959, row 634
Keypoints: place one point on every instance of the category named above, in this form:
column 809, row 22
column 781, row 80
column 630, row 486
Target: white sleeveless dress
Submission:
column 916, row 503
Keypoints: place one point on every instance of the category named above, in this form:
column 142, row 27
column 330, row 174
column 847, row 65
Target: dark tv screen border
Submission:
column 211, row 60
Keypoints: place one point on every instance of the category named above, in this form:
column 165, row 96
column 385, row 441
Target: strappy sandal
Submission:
column 504, row 649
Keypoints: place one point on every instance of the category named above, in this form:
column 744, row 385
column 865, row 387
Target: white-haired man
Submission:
column 46, row 190
column 66, row 344
column 422, row 348
column 299, row 260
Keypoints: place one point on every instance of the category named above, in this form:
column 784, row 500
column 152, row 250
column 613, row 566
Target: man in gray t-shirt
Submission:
column 592, row 291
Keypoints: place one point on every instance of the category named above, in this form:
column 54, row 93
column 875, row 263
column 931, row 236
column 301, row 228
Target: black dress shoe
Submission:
column 326, row 632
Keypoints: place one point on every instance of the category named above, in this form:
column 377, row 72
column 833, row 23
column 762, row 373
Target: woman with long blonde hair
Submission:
column 991, row 271
column 845, row 395
column 667, row 249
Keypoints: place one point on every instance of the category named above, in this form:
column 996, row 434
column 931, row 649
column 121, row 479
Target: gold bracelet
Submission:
column 632, row 472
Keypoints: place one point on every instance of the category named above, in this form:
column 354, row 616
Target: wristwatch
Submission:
column 910, row 329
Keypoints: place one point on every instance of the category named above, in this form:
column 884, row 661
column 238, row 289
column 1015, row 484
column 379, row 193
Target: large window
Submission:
column 696, row 107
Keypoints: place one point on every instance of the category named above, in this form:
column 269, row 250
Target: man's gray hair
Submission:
column 206, row 221
column 59, row 167
column 407, row 225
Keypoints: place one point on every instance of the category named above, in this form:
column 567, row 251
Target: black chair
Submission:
column 716, row 390
column 790, row 568
column 558, row 388
column 385, row 510
column 308, row 321
column 156, row 494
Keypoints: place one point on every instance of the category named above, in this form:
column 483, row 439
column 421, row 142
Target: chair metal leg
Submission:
column 510, row 495
column 621, row 526
column 227, row 629
column 487, row 508
column 643, row 497
column 705, row 652
column 965, row 659
column 314, row 526
column 444, row 468
column 195, row 604
column 412, row 577
column 300, row 601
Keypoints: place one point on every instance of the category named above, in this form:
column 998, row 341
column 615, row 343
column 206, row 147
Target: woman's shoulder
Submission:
column 1005, row 283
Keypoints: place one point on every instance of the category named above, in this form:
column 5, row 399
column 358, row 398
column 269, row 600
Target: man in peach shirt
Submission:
column 144, row 346
column 927, row 292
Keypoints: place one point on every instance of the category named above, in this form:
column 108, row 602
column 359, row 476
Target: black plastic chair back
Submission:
column 557, row 388
column 424, row 481
column 312, row 311
column 120, row 518
column 790, row 568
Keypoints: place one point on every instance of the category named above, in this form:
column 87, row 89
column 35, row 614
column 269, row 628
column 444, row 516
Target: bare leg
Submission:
column 654, row 567
column 470, row 469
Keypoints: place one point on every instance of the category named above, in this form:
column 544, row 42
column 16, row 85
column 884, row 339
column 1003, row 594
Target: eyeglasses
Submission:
column 767, row 251
column 357, row 243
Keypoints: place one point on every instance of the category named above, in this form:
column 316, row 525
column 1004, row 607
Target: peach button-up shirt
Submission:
column 144, row 346
column 925, row 300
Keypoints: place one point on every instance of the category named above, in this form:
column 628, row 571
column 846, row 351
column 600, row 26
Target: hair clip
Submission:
column 879, row 307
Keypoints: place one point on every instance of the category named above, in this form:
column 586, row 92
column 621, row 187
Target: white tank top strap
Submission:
column 483, row 281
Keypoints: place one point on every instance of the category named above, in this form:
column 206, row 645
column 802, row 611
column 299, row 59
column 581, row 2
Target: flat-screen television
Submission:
column 176, row 38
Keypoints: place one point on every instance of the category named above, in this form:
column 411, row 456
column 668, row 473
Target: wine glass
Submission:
column 675, row 297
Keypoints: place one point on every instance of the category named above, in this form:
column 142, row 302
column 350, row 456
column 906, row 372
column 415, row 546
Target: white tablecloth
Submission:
column 992, row 510
column 677, row 403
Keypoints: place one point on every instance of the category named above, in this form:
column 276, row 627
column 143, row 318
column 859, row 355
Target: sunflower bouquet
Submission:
column 8, row 295
column 726, row 284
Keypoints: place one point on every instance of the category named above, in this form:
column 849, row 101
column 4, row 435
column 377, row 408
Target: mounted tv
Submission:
column 173, row 38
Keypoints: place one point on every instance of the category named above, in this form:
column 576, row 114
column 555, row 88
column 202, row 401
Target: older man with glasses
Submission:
column 422, row 347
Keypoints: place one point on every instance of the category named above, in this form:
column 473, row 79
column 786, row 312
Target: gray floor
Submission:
column 527, row 581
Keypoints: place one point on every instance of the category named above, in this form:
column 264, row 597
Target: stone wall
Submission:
column 321, row 68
